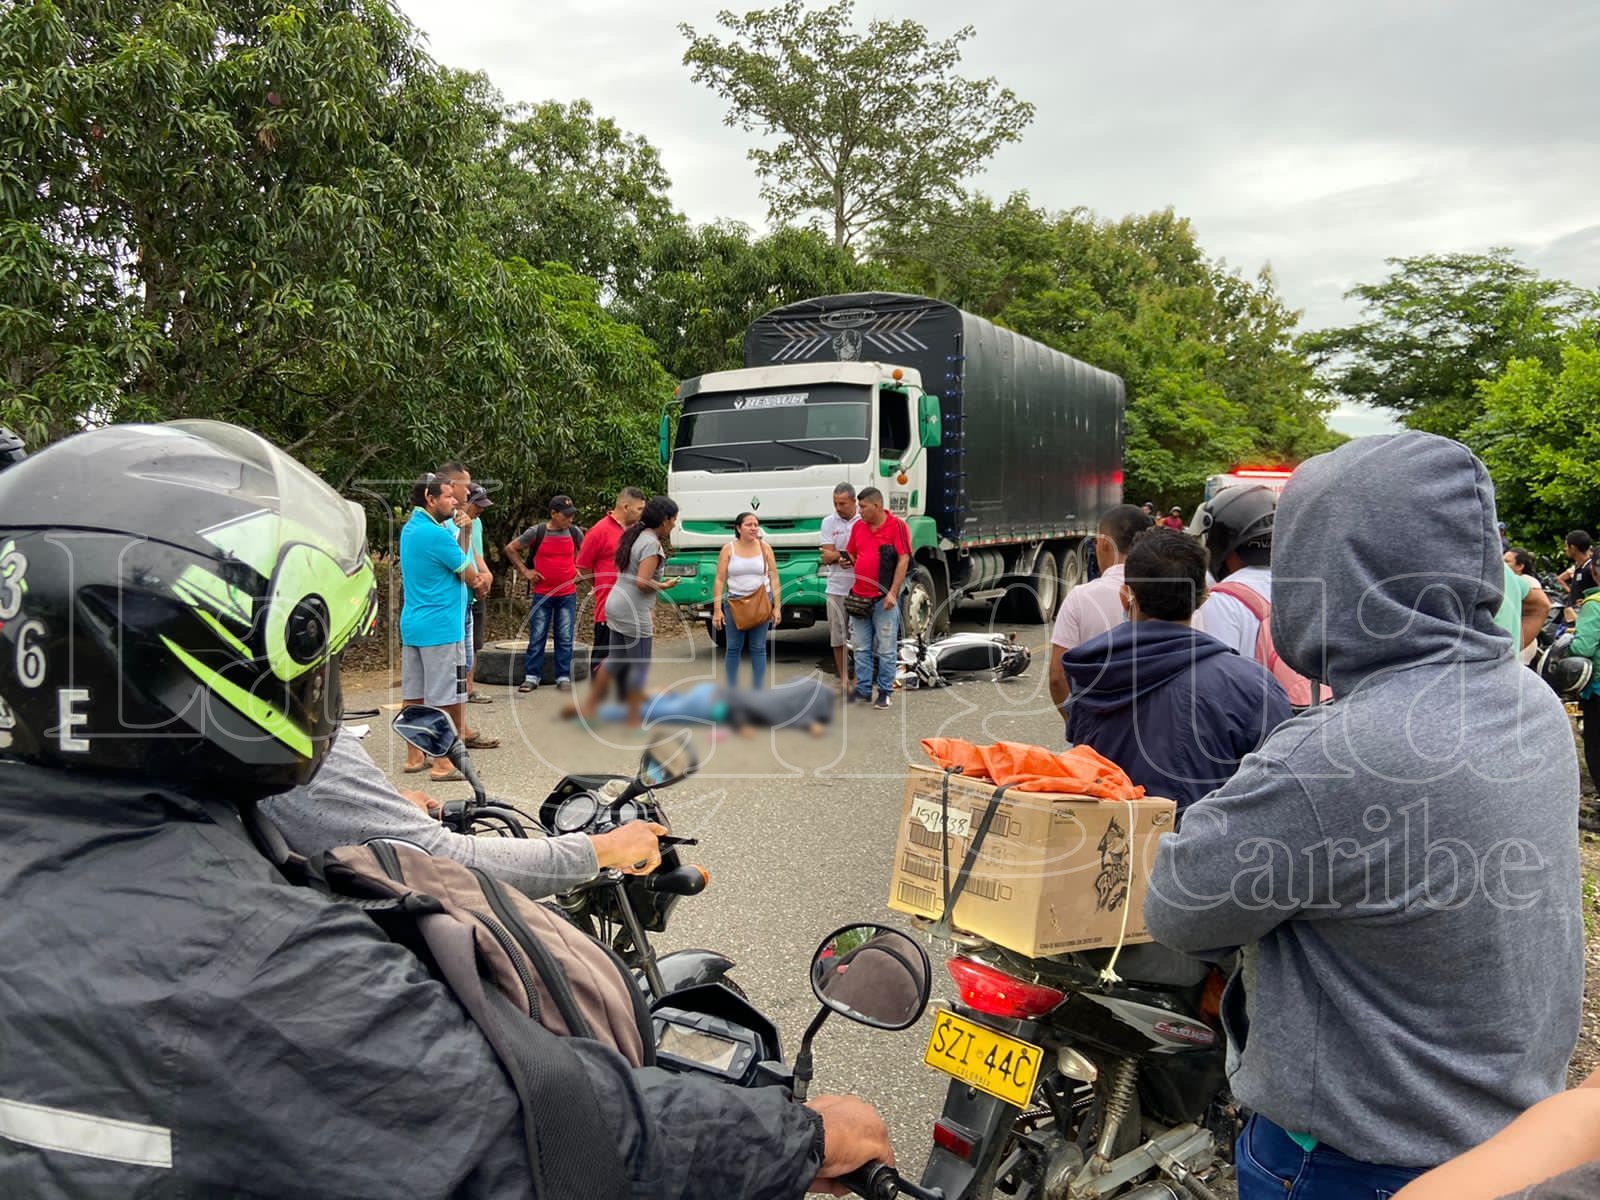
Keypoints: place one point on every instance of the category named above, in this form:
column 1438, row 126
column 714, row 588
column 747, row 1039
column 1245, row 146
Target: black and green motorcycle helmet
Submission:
column 174, row 600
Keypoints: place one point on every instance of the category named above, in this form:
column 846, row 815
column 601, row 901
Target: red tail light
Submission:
column 994, row 992
column 957, row 1139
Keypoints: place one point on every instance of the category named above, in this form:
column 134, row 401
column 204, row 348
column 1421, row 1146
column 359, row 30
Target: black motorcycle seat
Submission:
column 1152, row 963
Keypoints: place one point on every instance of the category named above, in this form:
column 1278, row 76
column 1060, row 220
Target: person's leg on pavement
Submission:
column 538, row 631
column 885, row 633
column 839, row 637
column 566, row 622
column 734, row 650
column 861, row 635
column 411, row 688
column 756, row 640
column 477, row 618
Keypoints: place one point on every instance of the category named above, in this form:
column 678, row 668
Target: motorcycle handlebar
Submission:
column 880, row 1181
column 687, row 880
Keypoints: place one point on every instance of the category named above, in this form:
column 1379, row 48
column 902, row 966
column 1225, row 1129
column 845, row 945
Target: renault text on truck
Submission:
column 1000, row 453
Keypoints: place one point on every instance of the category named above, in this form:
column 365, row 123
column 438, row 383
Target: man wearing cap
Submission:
column 478, row 502
column 553, row 572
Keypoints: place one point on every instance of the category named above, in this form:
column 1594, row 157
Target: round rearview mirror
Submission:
column 872, row 974
column 668, row 762
column 428, row 729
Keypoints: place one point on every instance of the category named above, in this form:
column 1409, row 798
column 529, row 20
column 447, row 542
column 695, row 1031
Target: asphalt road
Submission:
column 797, row 833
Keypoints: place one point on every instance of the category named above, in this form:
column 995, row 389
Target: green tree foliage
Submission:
column 868, row 127
column 1436, row 326
column 563, row 185
column 708, row 283
column 1540, row 438
column 259, row 211
column 1213, row 380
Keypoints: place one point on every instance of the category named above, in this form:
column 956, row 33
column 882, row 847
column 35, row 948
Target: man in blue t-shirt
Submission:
column 436, row 573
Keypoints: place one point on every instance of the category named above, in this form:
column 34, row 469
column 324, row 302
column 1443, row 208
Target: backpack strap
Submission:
column 568, row 1156
column 1253, row 600
column 561, row 1117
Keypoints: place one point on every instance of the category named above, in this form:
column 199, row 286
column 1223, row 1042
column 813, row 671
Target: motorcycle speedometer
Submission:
column 576, row 813
column 627, row 811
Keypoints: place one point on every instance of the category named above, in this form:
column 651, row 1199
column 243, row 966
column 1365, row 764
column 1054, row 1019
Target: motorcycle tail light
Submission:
column 957, row 1139
column 991, row 991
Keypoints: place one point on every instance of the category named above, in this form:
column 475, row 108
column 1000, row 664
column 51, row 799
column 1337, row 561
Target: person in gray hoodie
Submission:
column 1401, row 865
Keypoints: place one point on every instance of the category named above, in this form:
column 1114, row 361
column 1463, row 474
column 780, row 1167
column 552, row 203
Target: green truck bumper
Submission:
column 804, row 596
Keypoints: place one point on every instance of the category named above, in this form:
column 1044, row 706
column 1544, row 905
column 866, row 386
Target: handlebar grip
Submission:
column 687, row 880
column 874, row 1180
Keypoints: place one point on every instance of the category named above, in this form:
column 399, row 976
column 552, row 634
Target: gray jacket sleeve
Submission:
column 1231, row 874
column 350, row 801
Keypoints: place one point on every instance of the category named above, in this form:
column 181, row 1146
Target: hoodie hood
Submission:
column 1385, row 556
column 1134, row 659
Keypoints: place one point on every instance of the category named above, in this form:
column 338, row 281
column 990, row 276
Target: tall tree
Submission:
column 262, row 212
column 708, row 283
column 564, row 185
column 1436, row 326
column 1540, row 439
column 1213, row 379
column 869, row 127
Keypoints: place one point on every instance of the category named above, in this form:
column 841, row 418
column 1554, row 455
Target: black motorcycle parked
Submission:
column 1068, row 1087
column 617, row 909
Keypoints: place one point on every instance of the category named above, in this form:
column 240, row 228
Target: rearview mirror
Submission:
column 872, row 974
column 428, row 729
column 930, row 420
column 664, row 438
column 668, row 762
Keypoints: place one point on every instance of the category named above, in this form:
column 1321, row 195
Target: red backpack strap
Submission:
column 1247, row 596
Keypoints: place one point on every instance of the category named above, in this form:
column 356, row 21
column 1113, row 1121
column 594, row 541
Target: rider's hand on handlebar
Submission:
column 632, row 848
column 423, row 801
column 854, row 1134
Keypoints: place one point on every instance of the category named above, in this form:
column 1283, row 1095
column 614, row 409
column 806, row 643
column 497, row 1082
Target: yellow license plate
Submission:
column 1004, row 1067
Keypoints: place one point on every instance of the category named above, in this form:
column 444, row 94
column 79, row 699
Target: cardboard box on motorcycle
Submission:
column 1054, row 873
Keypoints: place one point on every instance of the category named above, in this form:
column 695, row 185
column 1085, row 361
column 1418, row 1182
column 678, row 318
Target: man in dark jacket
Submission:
column 1174, row 708
column 178, row 1019
column 1399, row 865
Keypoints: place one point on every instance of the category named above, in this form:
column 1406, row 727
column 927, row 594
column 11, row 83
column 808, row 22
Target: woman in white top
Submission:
column 745, row 566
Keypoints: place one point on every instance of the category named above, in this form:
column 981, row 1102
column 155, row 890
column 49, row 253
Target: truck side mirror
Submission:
column 930, row 420
column 664, row 438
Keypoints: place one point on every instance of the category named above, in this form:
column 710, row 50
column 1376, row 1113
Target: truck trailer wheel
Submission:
column 1037, row 600
column 502, row 662
column 921, row 615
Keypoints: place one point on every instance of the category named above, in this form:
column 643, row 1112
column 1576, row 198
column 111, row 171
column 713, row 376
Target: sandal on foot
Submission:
column 426, row 763
column 478, row 742
column 450, row 778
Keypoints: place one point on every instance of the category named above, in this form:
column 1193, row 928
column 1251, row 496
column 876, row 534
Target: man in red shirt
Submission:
column 880, row 550
column 554, row 576
column 1173, row 519
column 597, row 564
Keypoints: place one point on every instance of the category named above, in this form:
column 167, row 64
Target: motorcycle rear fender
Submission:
column 990, row 1119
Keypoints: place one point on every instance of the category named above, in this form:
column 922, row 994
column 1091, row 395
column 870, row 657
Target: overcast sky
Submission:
column 1319, row 139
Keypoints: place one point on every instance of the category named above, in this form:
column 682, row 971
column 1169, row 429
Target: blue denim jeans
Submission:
column 876, row 637
column 562, row 612
column 1272, row 1165
column 738, row 640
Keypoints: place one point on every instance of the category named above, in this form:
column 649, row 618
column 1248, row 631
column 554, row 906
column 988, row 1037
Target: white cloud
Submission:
column 1322, row 139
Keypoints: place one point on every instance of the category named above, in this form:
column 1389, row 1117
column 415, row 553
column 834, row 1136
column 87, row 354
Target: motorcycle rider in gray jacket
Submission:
column 179, row 1019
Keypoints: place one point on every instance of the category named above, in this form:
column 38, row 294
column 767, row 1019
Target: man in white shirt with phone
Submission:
column 840, row 570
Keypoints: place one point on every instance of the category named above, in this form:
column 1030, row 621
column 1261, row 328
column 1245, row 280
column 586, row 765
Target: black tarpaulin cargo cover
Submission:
column 1032, row 437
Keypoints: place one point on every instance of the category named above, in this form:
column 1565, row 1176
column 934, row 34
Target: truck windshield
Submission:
column 774, row 428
